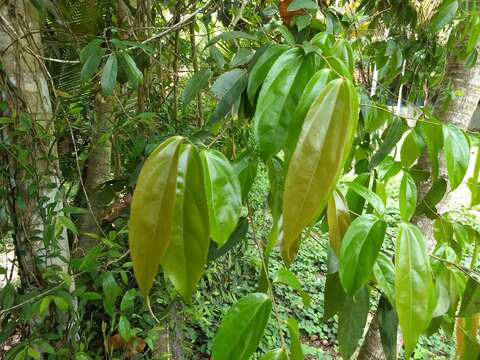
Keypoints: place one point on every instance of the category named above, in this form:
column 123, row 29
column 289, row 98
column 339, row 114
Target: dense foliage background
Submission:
column 239, row 179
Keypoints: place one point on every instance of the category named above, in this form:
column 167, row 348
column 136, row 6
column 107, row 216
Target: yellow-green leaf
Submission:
column 338, row 219
column 318, row 160
column 152, row 212
column 414, row 289
column 186, row 256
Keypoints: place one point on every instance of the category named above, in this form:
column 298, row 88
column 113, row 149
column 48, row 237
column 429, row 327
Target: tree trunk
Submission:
column 37, row 198
column 372, row 347
column 98, row 171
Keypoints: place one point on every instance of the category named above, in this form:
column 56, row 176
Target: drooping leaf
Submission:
column 351, row 321
column 414, row 290
column 359, row 251
column 92, row 63
column 246, row 169
column 432, row 130
column 231, row 35
column 111, row 292
column 432, row 198
column 296, row 352
column 338, row 220
column 241, row 57
column 278, row 99
column 343, row 51
column 471, row 299
column 318, row 160
column 261, row 68
column 391, row 137
column 195, row 85
column 135, row 76
column 90, row 49
column 316, row 84
column 412, row 148
column 384, row 272
column 355, row 201
column 334, row 295
column 186, row 256
column 457, row 154
column 152, row 212
column 109, row 75
column 224, row 196
column 242, row 328
column 388, row 327
column 407, row 197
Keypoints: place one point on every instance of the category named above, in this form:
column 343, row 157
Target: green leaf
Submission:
column 278, row 354
column 111, row 291
column 186, row 256
column 432, row 198
column 241, row 57
column 334, row 295
column 242, row 328
column 135, row 76
column 372, row 198
column 388, row 328
column 285, row 276
column 152, row 211
column 412, row 148
column 245, row 168
column 239, row 234
column 384, row 272
column 128, row 300
column 91, row 64
column 457, row 154
column 231, row 96
column 302, row 4
column 278, row 99
column 296, row 352
column 359, row 251
column 470, row 299
column 231, row 35
column 414, row 290
column 351, row 322
column 261, row 68
column 90, row 49
column 407, row 197
column 391, row 137
column 343, row 51
column 474, row 183
column 109, row 75
column 195, row 85
column 316, row 84
column 224, row 198
column 444, row 15
column 432, row 129
column 318, row 160
column 339, row 220
column 355, row 202
column 124, row 328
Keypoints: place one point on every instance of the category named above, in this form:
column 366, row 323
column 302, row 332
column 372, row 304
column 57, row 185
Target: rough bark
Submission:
column 372, row 347
column 98, row 170
column 25, row 88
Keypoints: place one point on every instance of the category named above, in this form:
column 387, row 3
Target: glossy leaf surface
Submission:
column 338, row 220
column 457, row 154
column 152, row 211
column 407, row 197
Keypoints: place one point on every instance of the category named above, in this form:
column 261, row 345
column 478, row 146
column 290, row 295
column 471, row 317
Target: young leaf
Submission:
column 278, row 99
column 195, row 85
column 318, row 160
column 407, row 197
column 109, row 75
column 242, row 328
column 359, row 251
column 186, row 256
column 296, row 352
column 414, row 290
column 338, row 220
column 261, row 68
column 351, row 321
column 224, row 198
column 457, row 154
column 152, row 211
